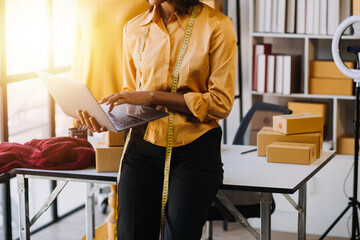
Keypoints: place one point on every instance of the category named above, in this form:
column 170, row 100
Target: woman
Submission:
column 205, row 93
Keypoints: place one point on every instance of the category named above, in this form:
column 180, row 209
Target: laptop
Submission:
column 72, row 96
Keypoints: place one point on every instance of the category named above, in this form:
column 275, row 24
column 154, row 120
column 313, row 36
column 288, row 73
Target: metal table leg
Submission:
column 7, row 209
column 236, row 214
column 265, row 215
column 302, row 214
column 23, row 207
column 90, row 218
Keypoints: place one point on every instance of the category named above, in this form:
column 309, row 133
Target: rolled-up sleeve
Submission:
column 217, row 102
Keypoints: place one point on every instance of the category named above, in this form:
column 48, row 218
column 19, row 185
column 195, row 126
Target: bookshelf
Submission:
column 340, row 108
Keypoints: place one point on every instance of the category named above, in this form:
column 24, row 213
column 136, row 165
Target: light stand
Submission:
column 355, row 75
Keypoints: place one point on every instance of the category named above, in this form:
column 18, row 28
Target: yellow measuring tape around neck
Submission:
column 175, row 79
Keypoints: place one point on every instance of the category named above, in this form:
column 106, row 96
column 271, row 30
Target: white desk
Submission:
column 246, row 172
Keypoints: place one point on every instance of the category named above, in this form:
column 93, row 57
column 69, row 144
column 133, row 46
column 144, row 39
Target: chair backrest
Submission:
column 259, row 115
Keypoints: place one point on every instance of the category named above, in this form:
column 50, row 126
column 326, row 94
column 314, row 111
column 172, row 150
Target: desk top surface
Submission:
column 246, row 172
column 253, row 173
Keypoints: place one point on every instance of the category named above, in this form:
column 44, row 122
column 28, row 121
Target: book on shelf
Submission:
column 270, row 73
column 290, row 16
column 261, row 72
column 256, row 18
column 267, row 6
column 345, row 12
column 323, row 17
column 333, row 16
column 300, row 16
column 279, row 61
column 281, row 16
column 257, row 50
column 260, row 12
column 274, row 15
column 316, row 27
column 291, row 74
column 309, row 15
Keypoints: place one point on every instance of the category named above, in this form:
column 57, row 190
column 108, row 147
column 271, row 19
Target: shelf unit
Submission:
column 340, row 110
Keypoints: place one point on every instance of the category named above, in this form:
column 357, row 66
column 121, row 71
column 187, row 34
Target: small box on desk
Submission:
column 114, row 139
column 345, row 144
column 267, row 136
column 298, row 123
column 287, row 152
column 335, row 86
column 108, row 158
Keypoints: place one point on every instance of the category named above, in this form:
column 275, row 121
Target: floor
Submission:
column 73, row 228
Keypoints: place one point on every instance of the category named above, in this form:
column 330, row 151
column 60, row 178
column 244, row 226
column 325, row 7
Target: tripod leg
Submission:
column 335, row 222
column 356, row 222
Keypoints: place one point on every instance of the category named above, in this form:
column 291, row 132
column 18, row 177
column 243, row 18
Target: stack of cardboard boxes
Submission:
column 326, row 78
column 296, row 138
column 108, row 155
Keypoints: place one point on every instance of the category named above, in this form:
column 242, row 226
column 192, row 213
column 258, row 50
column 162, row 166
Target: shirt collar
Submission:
column 155, row 17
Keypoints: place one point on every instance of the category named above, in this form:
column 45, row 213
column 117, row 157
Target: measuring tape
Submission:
column 175, row 80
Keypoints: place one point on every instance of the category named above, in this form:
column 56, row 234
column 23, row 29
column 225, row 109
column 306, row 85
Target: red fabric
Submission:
column 57, row 153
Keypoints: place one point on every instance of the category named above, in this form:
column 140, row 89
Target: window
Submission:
column 39, row 34
column 34, row 35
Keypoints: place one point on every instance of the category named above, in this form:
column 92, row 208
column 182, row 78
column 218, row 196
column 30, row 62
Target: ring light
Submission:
column 351, row 73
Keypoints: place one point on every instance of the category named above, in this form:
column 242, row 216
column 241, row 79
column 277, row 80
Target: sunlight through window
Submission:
column 26, row 35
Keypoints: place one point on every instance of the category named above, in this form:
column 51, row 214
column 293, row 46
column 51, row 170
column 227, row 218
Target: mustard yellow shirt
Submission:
column 206, row 78
column 98, row 50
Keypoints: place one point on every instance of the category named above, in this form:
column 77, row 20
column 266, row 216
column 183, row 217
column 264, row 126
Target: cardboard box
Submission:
column 114, row 139
column 267, row 136
column 295, row 153
column 298, row 123
column 327, row 69
column 108, row 158
column 332, row 86
column 345, row 145
column 306, row 107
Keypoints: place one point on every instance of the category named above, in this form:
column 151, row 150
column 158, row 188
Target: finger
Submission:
column 105, row 99
column 104, row 129
column 78, row 122
column 114, row 98
column 121, row 101
column 111, row 107
column 95, row 124
column 87, row 121
column 81, row 118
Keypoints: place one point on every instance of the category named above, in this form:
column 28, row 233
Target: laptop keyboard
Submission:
column 121, row 120
column 126, row 120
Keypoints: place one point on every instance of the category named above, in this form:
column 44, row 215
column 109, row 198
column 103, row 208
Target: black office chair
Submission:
column 247, row 203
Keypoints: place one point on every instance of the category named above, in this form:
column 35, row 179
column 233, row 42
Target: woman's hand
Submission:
column 130, row 97
column 89, row 122
column 166, row 99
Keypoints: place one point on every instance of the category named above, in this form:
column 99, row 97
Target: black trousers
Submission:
column 195, row 176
